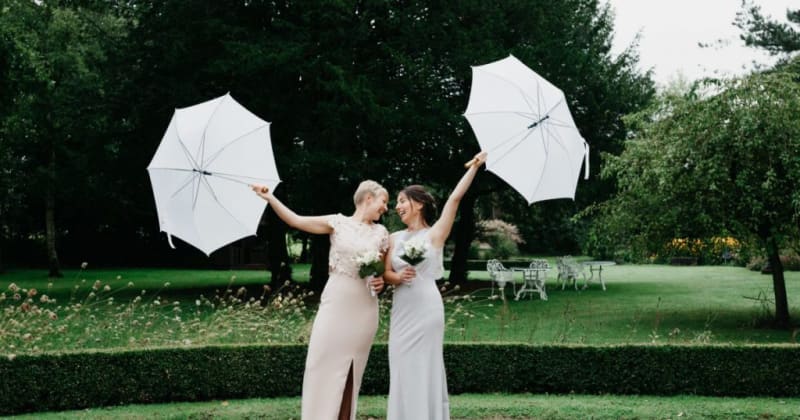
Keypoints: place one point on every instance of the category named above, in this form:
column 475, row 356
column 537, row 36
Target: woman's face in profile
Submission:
column 376, row 206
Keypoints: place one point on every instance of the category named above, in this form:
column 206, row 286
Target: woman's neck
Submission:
column 361, row 217
column 416, row 225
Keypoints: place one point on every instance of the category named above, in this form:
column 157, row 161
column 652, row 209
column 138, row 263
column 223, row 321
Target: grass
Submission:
column 474, row 406
column 185, row 282
column 643, row 304
column 109, row 310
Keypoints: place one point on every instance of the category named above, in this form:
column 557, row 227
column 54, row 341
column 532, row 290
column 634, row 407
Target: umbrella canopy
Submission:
column 524, row 124
column 200, row 173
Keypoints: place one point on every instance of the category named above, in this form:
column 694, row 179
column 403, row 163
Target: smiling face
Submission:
column 375, row 206
column 408, row 209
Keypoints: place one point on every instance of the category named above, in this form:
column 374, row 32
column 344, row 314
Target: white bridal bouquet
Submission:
column 414, row 251
column 370, row 264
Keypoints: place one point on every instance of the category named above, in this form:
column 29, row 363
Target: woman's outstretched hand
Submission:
column 477, row 161
column 480, row 159
column 261, row 190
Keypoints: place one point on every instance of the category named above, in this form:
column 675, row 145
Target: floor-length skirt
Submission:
column 341, row 337
column 418, row 384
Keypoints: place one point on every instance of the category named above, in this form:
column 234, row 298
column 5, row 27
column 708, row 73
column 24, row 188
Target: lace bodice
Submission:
column 350, row 239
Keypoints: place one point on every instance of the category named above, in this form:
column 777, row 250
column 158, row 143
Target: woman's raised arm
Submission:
column 441, row 229
column 311, row 224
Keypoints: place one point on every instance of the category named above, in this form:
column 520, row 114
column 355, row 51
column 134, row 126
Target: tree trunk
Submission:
column 304, row 251
column 279, row 263
column 2, row 239
column 320, row 247
column 50, row 232
column 50, row 217
column 779, row 285
column 464, row 232
column 2, row 244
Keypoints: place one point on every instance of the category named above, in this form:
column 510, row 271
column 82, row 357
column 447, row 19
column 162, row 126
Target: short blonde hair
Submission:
column 368, row 187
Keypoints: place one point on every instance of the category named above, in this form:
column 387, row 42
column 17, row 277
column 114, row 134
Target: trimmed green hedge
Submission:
column 101, row 378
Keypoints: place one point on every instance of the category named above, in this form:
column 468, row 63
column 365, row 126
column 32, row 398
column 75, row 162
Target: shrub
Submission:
column 790, row 262
column 714, row 250
column 60, row 381
column 502, row 236
column 757, row 263
column 503, row 247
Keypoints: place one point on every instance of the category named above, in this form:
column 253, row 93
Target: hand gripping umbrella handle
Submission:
column 471, row 162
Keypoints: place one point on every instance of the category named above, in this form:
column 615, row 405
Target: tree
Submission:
column 761, row 32
column 568, row 43
column 701, row 165
column 355, row 90
column 53, row 126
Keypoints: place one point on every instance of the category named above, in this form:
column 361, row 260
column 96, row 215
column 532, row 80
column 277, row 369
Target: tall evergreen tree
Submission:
column 762, row 32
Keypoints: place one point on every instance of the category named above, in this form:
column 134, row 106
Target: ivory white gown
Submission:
column 418, row 385
column 345, row 324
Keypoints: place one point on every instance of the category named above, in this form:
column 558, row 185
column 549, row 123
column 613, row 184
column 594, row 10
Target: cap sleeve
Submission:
column 335, row 221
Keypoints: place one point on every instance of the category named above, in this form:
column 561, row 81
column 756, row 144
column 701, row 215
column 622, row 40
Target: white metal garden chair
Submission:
column 568, row 271
column 500, row 276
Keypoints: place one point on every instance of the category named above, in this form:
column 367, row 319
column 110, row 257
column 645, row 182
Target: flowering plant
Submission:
column 414, row 251
column 369, row 264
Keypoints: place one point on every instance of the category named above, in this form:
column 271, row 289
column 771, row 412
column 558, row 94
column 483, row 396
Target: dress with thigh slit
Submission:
column 345, row 324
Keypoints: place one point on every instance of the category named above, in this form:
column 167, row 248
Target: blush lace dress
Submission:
column 345, row 324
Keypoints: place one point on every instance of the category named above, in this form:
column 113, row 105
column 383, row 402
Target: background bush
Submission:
column 790, row 262
column 502, row 236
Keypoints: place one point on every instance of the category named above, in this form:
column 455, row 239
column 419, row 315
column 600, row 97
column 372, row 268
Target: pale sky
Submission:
column 672, row 29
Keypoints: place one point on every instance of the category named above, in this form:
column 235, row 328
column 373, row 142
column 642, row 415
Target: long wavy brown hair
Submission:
column 419, row 194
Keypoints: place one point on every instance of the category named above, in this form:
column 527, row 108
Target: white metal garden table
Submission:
column 596, row 266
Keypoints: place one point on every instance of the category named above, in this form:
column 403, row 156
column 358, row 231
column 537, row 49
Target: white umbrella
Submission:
column 524, row 124
column 200, row 173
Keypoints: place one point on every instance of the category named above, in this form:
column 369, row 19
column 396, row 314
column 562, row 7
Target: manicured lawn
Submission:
column 643, row 304
column 474, row 406
column 183, row 281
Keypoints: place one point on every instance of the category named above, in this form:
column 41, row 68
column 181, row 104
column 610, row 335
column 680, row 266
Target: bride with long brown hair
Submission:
column 417, row 380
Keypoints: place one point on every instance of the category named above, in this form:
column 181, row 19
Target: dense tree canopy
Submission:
column 56, row 120
column 354, row 89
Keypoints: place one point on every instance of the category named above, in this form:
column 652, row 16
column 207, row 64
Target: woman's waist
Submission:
column 425, row 292
column 345, row 288
column 419, row 304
